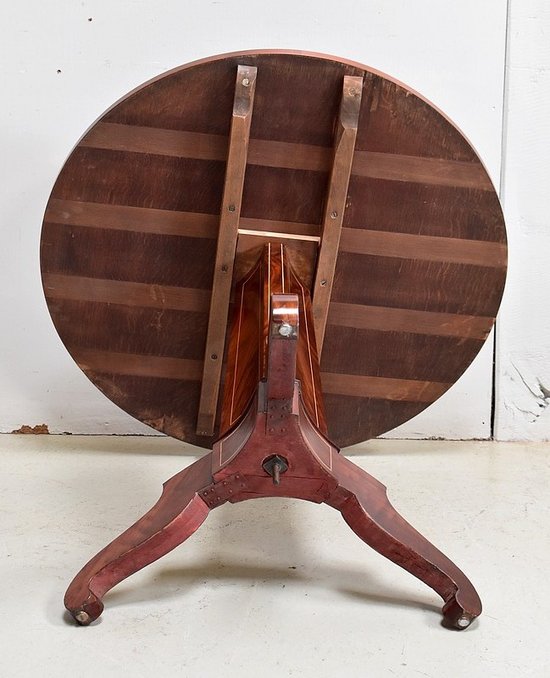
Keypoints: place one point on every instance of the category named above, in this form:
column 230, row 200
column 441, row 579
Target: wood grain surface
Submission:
column 247, row 351
column 130, row 232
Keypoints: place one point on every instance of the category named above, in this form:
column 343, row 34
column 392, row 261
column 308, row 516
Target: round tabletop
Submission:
column 130, row 232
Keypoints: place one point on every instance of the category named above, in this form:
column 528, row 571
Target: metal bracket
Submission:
column 223, row 490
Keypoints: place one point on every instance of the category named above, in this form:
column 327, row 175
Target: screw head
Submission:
column 245, row 82
column 333, row 214
column 285, row 329
column 231, row 208
column 82, row 617
column 214, row 356
column 323, row 283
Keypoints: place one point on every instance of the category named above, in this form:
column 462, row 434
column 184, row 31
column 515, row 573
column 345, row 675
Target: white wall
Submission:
column 523, row 365
column 452, row 52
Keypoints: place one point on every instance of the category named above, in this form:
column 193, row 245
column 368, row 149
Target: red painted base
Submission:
column 272, row 449
column 234, row 471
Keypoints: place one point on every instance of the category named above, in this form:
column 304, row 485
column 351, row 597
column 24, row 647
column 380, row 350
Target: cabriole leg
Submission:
column 364, row 505
column 178, row 513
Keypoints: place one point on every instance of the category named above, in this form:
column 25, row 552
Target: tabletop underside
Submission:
column 130, row 233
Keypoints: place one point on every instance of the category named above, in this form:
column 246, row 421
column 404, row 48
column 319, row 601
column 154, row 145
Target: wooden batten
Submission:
column 416, row 169
column 344, row 147
column 227, row 241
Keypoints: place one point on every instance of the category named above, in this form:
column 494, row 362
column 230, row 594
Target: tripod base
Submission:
column 315, row 472
column 274, row 445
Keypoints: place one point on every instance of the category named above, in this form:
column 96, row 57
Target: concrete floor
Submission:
column 273, row 587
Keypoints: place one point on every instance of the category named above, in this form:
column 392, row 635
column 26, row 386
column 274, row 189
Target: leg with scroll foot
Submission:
column 178, row 513
column 364, row 504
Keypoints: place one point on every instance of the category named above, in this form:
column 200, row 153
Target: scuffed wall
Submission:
column 523, row 346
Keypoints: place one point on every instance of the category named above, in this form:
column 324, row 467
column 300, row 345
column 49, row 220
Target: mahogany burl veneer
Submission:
column 273, row 255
